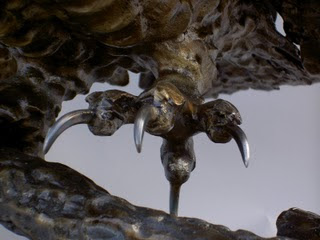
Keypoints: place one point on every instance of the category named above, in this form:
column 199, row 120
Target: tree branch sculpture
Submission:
column 185, row 51
column 42, row 200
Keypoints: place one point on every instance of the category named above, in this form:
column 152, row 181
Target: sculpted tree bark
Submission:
column 50, row 51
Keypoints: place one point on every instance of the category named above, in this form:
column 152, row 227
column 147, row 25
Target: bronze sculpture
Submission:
column 185, row 50
column 109, row 110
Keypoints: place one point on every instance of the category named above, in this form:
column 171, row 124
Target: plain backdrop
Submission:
column 284, row 134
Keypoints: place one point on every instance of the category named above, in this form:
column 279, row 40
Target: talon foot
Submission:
column 220, row 120
column 113, row 109
column 107, row 112
column 161, row 104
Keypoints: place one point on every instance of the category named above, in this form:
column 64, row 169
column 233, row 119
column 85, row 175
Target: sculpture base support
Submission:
column 43, row 200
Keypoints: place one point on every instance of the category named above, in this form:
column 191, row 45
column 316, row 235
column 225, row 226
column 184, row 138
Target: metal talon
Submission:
column 241, row 139
column 65, row 122
column 178, row 160
column 140, row 124
column 174, row 199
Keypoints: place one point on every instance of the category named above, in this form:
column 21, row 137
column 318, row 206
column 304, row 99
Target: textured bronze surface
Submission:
column 52, row 50
column 42, row 200
column 299, row 224
column 203, row 48
column 301, row 24
column 165, row 112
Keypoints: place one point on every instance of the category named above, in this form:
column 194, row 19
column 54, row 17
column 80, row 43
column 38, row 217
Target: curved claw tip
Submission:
column 242, row 142
column 139, row 145
column 140, row 124
column 66, row 121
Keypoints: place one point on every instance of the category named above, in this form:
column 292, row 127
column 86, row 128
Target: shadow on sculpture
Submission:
column 185, row 51
column 176, row 124
column 43, row 200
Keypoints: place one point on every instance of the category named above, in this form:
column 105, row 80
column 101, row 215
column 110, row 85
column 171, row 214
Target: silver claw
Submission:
column 242, row 142
column 66, row 121
column 140, row 124
column 174, row 199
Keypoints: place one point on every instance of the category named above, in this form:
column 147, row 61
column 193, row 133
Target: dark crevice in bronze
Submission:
column 50, row 51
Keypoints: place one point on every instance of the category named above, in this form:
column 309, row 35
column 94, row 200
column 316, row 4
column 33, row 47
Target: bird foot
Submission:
column 161, row 111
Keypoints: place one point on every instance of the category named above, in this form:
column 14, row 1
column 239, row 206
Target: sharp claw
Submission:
column 66, row 121
column 174, row 199
column 140, row 124
column 242, row 142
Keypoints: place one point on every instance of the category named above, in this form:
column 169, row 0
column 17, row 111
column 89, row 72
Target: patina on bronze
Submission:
column 50, row 51
column 44, row 200
column 175, row 122
column 202, row 48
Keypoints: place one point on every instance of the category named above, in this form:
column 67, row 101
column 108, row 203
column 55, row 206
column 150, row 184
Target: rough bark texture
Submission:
column 299, row 224
column 52, row 50
column 43, row 200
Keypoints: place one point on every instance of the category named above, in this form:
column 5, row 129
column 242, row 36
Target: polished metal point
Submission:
column 140, row 124
column 174, row 199
column 83, row 116
column 241, row 139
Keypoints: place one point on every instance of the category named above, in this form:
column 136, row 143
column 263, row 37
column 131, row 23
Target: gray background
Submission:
column 284, row 134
